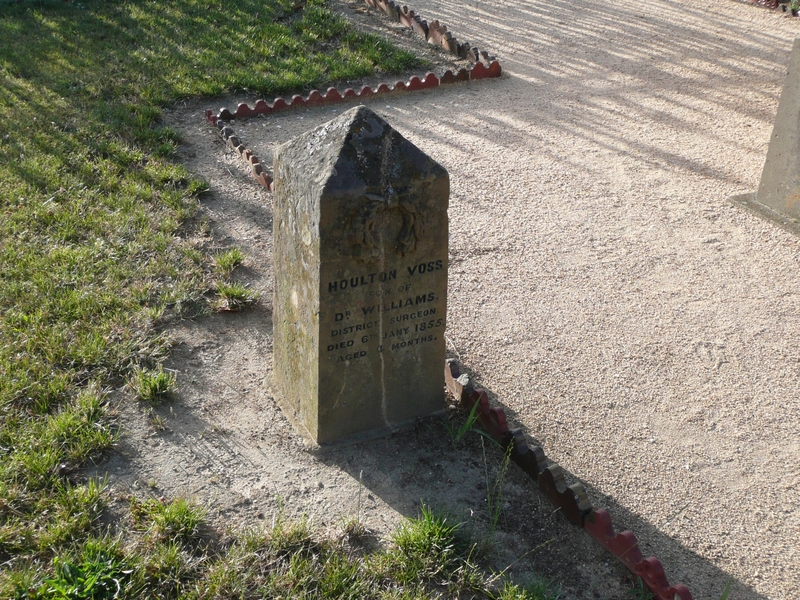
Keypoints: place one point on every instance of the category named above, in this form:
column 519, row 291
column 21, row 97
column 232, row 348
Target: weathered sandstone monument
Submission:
column 360, row 256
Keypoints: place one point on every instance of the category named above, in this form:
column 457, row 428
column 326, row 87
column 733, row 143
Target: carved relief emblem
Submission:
column 370, row 220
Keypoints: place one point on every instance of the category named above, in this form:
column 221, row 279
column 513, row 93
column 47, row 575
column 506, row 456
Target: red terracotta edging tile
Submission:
column 771, row 4
column 572, row 501
column 331, row 96
column 434, row 32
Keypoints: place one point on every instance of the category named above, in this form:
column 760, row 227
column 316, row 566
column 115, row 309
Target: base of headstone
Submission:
column 750, row 203
column 289, row 410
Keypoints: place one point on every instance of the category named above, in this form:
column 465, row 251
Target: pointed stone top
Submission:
column 359, row 151
column 359, row 124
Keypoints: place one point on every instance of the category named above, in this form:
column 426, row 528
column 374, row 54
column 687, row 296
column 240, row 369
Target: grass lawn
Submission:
column 93, row 263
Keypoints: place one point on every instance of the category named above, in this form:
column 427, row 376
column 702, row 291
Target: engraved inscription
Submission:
column 391, row 316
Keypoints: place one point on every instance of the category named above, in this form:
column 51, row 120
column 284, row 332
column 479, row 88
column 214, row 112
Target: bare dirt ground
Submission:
column 635, row 324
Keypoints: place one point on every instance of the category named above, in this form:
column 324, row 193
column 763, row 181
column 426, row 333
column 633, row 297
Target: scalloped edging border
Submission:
column 571, row 500
column 434, row 33
column 331, row 96
column 231, row 139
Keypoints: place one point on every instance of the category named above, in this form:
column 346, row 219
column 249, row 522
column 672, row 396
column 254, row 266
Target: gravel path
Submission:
column 639, row 327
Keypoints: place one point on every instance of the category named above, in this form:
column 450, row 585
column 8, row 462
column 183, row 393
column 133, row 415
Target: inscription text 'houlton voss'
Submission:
column 361, row 277
column 368, row 327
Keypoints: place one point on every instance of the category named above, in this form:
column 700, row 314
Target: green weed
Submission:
column 457, row 433
column 354, row 528
column 495, row 486
column 151, row 385
column 227, row 260
column 194, row 255
column 532, row 591
column 176, row 521
column 156, row 421
column 99, row 572
column 166, row 568
column 423, row 545
column 640, row 591
column 234, row 296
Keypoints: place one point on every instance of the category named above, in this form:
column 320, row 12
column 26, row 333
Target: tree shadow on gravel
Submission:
column 600, row 74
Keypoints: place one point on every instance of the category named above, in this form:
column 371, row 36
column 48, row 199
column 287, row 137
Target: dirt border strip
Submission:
column 571, row 500
column 331, row 96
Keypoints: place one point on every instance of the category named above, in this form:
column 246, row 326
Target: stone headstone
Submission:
column 778, row 194
column 360, row 256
